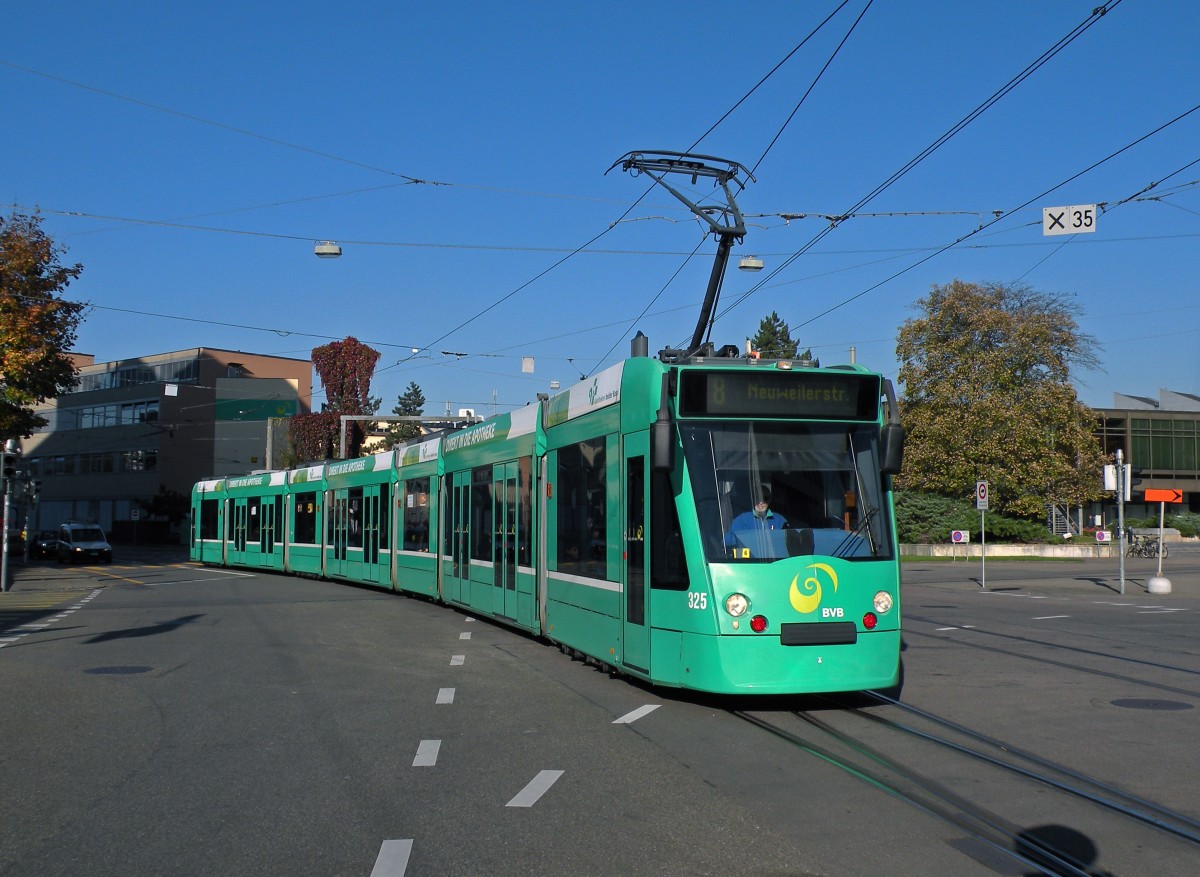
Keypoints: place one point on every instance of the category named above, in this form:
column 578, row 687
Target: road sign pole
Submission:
column 1121, row 481
column 982, row 549
column 981, row 503
column 1162, row 513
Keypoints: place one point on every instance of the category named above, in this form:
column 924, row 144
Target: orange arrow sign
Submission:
column 1170, row 494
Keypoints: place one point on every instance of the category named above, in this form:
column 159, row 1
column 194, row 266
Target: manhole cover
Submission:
column 119, row 670
column 1149, row 703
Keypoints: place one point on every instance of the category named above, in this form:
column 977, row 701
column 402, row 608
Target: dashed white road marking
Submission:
column 464, row 635
column 427, row 753
column 636, row 714
column 1048, row 617
column 392, row 860
column 445, row 695
column 457, row 660
column 537, row 787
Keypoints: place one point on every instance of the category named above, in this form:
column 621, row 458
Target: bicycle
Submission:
column 1145, row 546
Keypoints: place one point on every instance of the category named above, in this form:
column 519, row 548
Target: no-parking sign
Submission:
column 1102, row 536
column 957, row 536
column 981, row 495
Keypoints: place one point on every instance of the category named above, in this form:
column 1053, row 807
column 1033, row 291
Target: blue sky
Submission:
column 190, row 155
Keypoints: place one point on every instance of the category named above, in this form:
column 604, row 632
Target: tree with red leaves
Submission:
column 345, row 369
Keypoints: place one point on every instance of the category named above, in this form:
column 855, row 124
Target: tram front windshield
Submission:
column 769, row 490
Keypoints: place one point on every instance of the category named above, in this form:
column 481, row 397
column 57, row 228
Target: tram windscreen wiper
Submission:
column 844, row 548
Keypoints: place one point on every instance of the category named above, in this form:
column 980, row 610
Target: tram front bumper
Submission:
column 761, row 664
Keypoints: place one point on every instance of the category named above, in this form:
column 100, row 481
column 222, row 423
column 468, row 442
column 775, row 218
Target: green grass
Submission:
column 928, row 558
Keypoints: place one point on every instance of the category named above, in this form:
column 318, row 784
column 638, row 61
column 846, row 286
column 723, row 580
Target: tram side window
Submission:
column 354, row 517
column 481, row 513
column 278, row 519
column 209, row 514
column 306, row 517
column 255, row 520
column 416, row 514
column 385, row 505
column 582, row 509
column 524, row 510
column 448, row 520
column 668, row 570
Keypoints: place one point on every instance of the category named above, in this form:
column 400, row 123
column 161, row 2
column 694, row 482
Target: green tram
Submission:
column 711, row 523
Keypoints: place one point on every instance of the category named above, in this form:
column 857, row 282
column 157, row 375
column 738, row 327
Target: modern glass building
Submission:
column 1161, row 439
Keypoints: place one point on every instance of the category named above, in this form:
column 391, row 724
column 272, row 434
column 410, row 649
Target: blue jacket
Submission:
column 750, row 521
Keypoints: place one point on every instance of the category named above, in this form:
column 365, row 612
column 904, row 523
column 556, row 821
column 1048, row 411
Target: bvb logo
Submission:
column 593, row 390
column 807, row 597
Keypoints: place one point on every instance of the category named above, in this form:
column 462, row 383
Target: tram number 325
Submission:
column 697, row 600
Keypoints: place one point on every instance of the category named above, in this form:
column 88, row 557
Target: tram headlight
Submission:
column 737, row 605
column 883, row 602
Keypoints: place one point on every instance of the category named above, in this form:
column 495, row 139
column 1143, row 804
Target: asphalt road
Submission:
column 161, row 718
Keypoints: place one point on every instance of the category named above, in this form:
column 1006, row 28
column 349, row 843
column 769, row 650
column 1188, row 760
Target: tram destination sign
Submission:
column 777, row 393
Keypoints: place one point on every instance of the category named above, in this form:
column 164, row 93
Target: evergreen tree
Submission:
column 774, row 340
column 411, row 403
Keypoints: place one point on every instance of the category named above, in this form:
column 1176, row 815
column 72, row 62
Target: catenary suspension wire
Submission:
column 811, row 85
column 1033, row 66
column 1022, row 206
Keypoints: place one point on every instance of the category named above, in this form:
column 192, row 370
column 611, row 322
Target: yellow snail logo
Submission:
column 807, row 597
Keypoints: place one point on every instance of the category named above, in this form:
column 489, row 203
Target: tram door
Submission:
column 634, row 555
column 338, row 529
column 457, row 581
column 504, row 540
column 266, row 526
column 370, row 534
column 238, row 521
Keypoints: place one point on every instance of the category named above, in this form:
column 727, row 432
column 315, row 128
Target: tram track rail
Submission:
column 1011, row 804
column 1075, row 666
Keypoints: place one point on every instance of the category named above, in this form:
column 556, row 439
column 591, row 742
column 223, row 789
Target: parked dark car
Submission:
column 43, row 544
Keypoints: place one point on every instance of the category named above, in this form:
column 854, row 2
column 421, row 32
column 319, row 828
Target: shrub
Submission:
column 926, row 518
column 1187, row 523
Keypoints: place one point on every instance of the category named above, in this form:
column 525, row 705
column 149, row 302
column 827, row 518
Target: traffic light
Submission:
column 10, row 466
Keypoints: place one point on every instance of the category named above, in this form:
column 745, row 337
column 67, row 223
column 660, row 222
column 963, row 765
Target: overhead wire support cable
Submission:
column 215, row 124
column 1096, row 14
column 1021, row 206
column 813, row 84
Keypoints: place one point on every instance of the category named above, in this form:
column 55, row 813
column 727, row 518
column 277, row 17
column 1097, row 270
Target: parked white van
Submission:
column 82, row 542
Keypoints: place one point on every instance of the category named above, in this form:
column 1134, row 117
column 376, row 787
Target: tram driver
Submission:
column 754, row 524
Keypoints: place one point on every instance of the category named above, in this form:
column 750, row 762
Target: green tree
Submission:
column 410, row 403
column 987, row 395
column 774, row 339
column 37, row 325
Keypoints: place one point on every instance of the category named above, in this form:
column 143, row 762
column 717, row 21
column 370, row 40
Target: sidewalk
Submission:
column 46, row 574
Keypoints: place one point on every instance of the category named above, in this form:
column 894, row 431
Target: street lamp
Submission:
column 327, row 250
column 750, row 263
